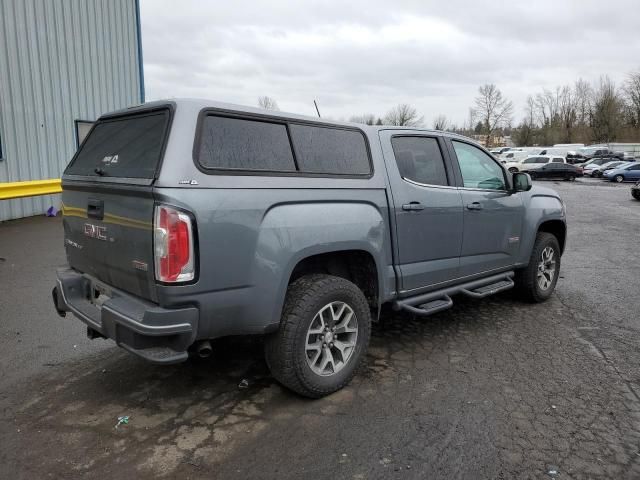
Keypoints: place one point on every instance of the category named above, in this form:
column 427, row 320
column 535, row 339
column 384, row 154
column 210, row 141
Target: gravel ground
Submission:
column 488, row 389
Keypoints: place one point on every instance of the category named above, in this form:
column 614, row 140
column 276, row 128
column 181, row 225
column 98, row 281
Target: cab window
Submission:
column 478, row 169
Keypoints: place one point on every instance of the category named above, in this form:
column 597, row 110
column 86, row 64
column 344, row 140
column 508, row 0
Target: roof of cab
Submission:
column 201, row 104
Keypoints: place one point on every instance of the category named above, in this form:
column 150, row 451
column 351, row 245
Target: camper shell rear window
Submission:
column 128, row 146
column 256, row 145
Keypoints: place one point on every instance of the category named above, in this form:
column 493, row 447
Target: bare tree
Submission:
column 567, row 111
column 524, row 134
column 367, row 119
column 583, row 94
column 440, row 122
column 403, row 115
column 268, row 103
column 631, row 91
column 492, row 109
column 606, row 119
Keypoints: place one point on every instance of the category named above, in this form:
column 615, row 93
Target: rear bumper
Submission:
column 159, row 335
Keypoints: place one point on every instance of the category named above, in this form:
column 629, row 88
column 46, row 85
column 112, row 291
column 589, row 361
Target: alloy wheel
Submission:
column 331, row 338
column 546, row 268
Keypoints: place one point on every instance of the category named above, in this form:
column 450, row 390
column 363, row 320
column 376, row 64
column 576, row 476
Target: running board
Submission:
column 439, row 300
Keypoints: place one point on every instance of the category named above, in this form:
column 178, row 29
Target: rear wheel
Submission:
column 619, row 178
column 532, row 175
column 513, row 169
column 323, row 335
column 536, row 282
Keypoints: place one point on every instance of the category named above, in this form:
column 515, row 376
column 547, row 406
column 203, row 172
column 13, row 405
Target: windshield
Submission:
column 125, row 147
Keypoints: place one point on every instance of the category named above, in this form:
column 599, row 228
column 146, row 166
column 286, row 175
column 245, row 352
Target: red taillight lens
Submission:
column 173, row 245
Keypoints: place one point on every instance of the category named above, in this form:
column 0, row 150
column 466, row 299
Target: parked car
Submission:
column 635, row 191
column 536, row 161
column 629, row 171
column 500, row 150
column 512, row 160
column 188, row 220
column 590, row 165
column 556, row 170
column 601, row 152
column 597, row 170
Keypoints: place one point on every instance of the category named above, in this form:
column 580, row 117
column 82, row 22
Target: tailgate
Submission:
column 108, row 201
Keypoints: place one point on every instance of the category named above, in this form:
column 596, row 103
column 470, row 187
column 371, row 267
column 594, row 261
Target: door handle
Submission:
column 415, row 206
column 474, row 206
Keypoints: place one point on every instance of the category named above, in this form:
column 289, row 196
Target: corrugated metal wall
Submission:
column 60, row 61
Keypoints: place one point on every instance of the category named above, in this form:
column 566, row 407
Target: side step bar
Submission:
column 439, row 300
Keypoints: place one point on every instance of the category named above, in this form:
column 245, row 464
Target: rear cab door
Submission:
column 108, row 204
column 492, row 215
column 427, row 208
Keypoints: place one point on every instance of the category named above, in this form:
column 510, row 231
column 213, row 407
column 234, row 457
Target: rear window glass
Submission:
column 127, row 147
column 419, row 159
column 330, row 150
column 233, row 143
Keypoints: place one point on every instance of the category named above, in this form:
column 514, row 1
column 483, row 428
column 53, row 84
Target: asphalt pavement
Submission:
column 493, row 388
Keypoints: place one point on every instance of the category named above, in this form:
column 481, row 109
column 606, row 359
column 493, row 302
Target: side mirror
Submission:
column 521, row 182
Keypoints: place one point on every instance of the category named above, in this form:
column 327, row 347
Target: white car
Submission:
column 532, row 162
column 536, row 161
column 511, row 160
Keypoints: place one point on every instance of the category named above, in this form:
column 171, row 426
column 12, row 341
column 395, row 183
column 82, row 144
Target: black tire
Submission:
column 619, row 178
column 285, row 349
column 526, row 279
column 513, row 169
column 636, row 195
column 532, row 175
column 571, row 177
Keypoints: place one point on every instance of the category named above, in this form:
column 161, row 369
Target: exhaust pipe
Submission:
column 204, row 349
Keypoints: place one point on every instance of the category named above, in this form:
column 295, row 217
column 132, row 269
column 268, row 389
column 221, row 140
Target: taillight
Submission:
column 173, row 245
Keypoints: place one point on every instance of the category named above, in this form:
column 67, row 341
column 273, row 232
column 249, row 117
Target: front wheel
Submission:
column 532, row 175
column 323, row 336
column 513, row 169
column 536, row 282
column 619, row 178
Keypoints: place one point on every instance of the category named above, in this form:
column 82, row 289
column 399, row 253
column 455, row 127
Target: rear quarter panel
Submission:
column 250, row 240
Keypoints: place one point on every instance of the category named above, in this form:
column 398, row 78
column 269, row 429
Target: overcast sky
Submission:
column 359, row 57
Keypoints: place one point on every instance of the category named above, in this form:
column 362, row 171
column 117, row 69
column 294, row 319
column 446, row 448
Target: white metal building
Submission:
column 62, row 64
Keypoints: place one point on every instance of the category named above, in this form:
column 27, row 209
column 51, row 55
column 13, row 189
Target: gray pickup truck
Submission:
column 189, row 220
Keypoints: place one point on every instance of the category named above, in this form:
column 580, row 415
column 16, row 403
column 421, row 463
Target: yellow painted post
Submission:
column 11, row 190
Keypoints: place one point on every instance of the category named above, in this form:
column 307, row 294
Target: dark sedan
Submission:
column 635, row 190
column 565, row 171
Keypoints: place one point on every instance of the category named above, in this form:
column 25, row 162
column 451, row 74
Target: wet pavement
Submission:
column 489, row 389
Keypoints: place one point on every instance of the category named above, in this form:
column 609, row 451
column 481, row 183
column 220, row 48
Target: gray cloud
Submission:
column 361, row 56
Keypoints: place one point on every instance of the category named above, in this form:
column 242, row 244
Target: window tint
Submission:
column 558, row 160
column 128, row 147
column 329, row 150
column 233, row 143
column 634, row 167
column 419, row 159
column 478, row 169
